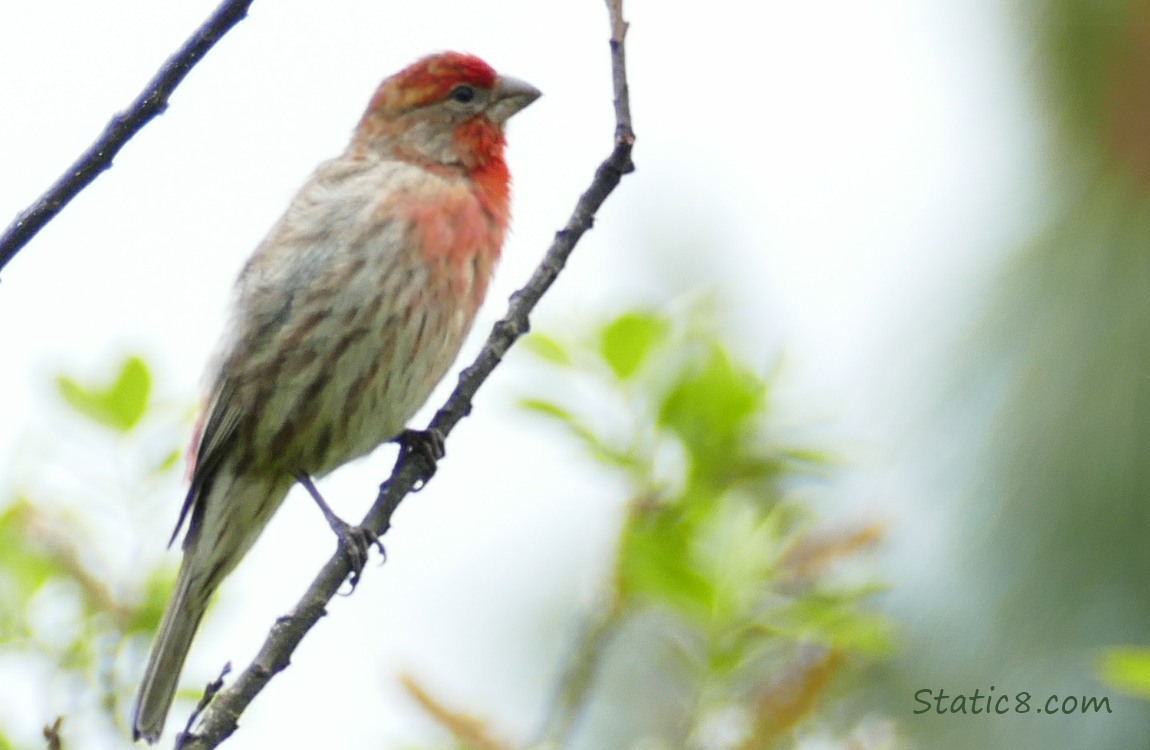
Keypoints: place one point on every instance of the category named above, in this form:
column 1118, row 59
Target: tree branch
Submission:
column 221, row 717
column 152, row 101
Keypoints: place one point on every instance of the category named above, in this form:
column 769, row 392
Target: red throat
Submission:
column 480, row 145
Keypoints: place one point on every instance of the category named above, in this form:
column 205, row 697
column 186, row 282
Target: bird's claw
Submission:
column 356, row 543
column 428, row 445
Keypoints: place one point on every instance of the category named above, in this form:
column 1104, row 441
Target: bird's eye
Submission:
column 463, row 94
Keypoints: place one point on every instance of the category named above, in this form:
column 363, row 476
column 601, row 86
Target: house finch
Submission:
column 345, row 318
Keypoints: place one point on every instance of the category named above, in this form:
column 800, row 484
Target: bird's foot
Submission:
column 355, row 541
column 427, row 445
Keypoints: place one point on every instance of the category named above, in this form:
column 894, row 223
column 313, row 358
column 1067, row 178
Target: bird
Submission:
column 343, row 320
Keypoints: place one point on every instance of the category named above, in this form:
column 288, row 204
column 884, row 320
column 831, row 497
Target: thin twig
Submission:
column 52, row 734
column 220, row 719
column 152, row 101
column 210, row 691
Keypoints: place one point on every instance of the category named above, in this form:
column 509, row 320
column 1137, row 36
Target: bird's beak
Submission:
column 509, row 96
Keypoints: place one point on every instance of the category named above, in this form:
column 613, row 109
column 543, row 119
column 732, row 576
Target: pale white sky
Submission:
column 836, row 169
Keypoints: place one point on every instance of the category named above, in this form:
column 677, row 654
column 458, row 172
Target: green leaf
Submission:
column 546, row 348
column 709, row 406
column 627, row 341
column 1127, row 669
column 598, row 448
column 547, row 409
column 655, row 563
column 119, row 406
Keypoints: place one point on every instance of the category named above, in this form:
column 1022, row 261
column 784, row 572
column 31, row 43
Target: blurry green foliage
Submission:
column 1127, row 669
column 736, row 573
column 627, row 341
column 120, row 405
column 1096, row 74
column 713, row 547
column 1037, row 444
column 1079, row 40
column 52, row 569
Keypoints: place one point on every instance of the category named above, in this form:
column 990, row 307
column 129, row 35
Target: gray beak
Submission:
column 509, row 96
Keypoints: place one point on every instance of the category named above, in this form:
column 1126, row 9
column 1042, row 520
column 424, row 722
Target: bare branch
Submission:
column 221, row 717
column 152, row 101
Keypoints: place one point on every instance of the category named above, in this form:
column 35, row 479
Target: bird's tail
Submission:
column 162, row 675
column 225, row 521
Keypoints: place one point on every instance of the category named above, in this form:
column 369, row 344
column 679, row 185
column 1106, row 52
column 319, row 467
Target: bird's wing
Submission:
column 283, row 273
column 214, row 433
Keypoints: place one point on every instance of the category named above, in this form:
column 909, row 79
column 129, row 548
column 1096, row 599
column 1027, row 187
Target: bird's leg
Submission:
column 355, row 541
column 427, row 445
